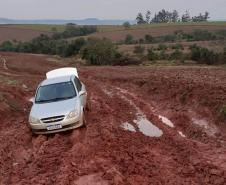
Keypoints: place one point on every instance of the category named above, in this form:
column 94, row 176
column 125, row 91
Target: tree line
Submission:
column 56, row 44
column 165, row 16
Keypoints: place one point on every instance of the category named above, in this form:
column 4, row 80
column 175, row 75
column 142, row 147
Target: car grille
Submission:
column 52, row 119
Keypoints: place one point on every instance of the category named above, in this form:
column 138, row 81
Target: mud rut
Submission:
column 104, row 153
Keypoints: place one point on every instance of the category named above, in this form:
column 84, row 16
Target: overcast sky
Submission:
column 104, row 9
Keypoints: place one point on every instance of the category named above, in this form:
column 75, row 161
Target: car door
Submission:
column 81, row 91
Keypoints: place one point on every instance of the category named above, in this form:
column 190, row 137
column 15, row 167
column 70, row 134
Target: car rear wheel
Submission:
column 84, row 118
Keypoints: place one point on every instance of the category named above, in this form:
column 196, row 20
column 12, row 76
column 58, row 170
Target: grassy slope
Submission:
column 108, row 28
column 111, row 28
column 118, row 32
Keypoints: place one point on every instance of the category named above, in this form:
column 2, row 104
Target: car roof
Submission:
column 57, row 80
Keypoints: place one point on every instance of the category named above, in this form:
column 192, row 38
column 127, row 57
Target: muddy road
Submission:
column 146, row 126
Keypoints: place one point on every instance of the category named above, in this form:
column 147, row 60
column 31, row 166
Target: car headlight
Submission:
column 72, row 114
column 34, row 120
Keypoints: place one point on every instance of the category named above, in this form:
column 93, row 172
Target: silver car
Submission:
column 59, row 103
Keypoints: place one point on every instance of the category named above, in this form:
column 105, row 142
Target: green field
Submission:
column 109, row 28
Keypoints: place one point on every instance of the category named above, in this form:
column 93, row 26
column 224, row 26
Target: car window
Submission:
column 78, row 84
column 55, row 92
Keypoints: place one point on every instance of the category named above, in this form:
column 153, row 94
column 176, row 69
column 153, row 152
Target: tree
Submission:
column 207, row 15
column 140, row 19
column 152, row 55
column 148, row 17
column 155, row 19
column 201, row 17
column 186, row 17
column 175, row 16
column 126, row 24
column 162, row 16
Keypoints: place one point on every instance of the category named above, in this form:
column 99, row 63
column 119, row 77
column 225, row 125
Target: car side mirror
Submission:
column 81, row 93
column 32, row 100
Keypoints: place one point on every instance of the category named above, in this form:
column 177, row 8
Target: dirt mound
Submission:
column 189, row 150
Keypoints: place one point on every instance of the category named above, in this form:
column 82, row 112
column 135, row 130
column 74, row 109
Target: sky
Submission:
column 104, row 9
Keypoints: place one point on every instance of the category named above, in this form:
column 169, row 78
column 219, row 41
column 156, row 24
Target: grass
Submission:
column 8, row 81
column 112, row 28
column 223, row 110
column 108, row 28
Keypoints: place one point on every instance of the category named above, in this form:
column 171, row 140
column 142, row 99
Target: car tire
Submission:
column 84, row 119
column 88, row 104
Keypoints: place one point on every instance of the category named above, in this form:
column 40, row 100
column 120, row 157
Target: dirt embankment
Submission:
column 175, row 106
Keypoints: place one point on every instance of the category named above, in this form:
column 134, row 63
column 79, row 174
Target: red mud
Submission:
column 104, row 153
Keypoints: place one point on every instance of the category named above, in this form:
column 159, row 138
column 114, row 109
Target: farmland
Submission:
column 189, row 150
column 160, row 122
column 19, row 33
column 115, row 33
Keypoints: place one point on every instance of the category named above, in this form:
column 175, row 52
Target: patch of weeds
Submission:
column 223, row 111
column 15, row 106
column 8, row 81
column 2, row 97
column 11, row 82
column 183, row 97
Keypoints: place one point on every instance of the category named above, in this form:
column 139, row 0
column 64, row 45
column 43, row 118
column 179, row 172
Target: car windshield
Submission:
column 55, row 92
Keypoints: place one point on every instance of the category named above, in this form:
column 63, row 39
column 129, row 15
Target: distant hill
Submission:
column 89, row 21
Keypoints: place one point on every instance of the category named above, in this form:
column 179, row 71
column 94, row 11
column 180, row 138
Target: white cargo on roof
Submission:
column 67, row 71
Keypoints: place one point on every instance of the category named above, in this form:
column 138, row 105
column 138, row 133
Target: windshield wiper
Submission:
column 54, row 99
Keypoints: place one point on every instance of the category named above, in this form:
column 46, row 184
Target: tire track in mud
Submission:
column 4, row 62
column 5, row 67
column 103, row 152
column 185, row 164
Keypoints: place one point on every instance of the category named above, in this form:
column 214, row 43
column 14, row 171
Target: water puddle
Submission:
column 166, row 121
column 144, row 125
column 181, row 134
column 147, row 128
column 128, row 126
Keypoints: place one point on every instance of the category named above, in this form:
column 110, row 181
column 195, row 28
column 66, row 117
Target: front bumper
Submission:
column 66, row 125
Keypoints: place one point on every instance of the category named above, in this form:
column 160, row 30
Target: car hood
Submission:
column 52, row 109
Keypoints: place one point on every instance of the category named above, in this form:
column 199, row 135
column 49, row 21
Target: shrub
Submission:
column 100, row 52
column 7, row 46
column 148, row 39
column 169, row 38
column 176, row 55
column 152, row 55
column 199, row 35
column 223, row 111
column 126, row 24
column 139, row 49
column 163, row 55
column 72, row 30
column 126, row 60
column 129, row 39
column 74, row 47
column 177, row 46
column 141, row 41
column 203, row 55
column 162, row 47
